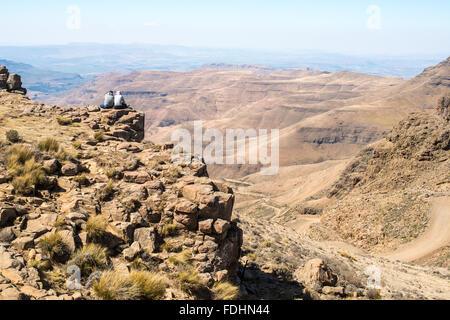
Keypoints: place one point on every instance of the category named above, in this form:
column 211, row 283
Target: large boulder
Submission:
column 316, row 274
column 14, row 82
column 146, row 237
column 7, row 214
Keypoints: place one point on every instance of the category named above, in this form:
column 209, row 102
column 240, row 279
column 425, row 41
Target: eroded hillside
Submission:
column 80, row 189
column 396, row 189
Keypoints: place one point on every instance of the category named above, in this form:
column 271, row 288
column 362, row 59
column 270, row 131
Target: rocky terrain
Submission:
column 79, row 187
column 383, row 197
column 90, row 210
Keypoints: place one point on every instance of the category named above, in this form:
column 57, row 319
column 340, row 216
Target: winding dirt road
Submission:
column 436, row 236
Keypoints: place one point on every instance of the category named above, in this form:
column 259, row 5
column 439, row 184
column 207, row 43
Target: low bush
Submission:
column 12, row 136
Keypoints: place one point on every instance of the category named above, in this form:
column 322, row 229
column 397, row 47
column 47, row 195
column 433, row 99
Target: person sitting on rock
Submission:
column 119, row 101
column 109, row 101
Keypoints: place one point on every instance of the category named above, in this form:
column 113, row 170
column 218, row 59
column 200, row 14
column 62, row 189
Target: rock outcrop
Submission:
column 100, row 184
column 11, row 82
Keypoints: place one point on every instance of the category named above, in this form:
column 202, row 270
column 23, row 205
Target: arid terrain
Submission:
column 362, row 189
column 321, row 115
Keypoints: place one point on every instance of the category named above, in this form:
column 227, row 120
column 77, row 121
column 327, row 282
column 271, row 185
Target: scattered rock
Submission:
column 70, row 169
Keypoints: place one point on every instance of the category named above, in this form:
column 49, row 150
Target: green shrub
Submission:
column 12, row 136
column 48, row 145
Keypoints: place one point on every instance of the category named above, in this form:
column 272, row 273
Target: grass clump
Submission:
column 99, row 136
column 27, row 183
column 114, row 174
column 152, row 286
column 90, row 258
column 172, row 175
column 137, row 264
column 183, row 258
column 12, row 136
column 115, row 286
column 96, row 227
column 64, row 121
column 169, row 246
column 48, row 145
column 27, row 173
column 108, row 191
column 76, row 145
column 225, row 290
column 54, row 247
column 82, row 180
column 169, row 230
column 17, row 156
column 191, row 282
column 41, row 265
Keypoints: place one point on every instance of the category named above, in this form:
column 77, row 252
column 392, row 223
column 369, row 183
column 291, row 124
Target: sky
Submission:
column 352, row 27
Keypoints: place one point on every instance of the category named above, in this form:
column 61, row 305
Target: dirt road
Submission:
column 436, row 236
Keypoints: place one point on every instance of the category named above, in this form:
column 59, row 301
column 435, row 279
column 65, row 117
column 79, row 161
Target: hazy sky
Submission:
column 359, row 26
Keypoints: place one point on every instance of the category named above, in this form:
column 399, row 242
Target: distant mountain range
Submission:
column 90, row 60
column 43, row 80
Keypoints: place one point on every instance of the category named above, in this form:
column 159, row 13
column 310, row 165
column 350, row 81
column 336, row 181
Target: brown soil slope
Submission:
column 388, row 195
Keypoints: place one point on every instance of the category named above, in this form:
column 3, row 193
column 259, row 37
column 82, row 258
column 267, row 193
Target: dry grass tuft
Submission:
column 225, row 291
column 48, row 145
column 90, row 258
column 96, row 227
column 115, row 286
column 54, row 247
column 152, row 286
